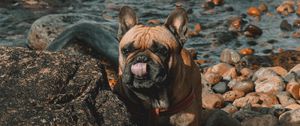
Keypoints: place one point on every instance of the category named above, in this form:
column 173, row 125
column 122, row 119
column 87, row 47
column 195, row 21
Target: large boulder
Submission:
column 43, row 88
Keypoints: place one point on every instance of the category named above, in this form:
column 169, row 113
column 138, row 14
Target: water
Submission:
column 17, row 17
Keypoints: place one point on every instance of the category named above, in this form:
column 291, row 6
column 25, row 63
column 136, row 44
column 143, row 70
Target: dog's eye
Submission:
column 162, row 51
column 127, row 49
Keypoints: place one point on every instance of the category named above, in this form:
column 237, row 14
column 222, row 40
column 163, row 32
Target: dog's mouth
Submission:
column 144, row 75
column 139, row 70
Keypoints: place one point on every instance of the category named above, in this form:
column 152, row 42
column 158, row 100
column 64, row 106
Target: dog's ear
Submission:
column 127, row 19
column 177, row 23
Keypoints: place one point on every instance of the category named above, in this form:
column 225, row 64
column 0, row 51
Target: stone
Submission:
column 230, row 96
column 296, row 23
column 293, row 106
column 263, row 7
column 253, row 31
column 267, row 81
column 296, row 69
column 253, row 11
column 272, row 85
column 285, row 98
column 218, row 118
column 279, row 70
column 261, row 120
column 245, row 86
column 212, row 78
column 230, row 56
column 230, row 74
column 246, row 51
column 212, row 101
column 287, row 59
column 256, row 100
column 246, row 72
column 220, row 87
column 236, row 24
column 217, row 2
column 285, row 26
column 230, row 109
column 285, row 8
column 293, row 88
column 290, row 118
column 43, row 88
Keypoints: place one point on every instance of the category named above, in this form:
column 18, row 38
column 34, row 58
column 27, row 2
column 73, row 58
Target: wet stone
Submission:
column 253, row 31
column 220, row 87
column 285, row 26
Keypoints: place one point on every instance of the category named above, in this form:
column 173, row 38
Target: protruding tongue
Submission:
column 139, row 69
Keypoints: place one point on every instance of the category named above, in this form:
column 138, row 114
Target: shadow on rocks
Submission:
column 43, row 88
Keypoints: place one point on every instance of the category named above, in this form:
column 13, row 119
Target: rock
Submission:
column 279, row 70
column 218, row 118
column 255, row 62
column 263, row 71
column 212, row 78
column 296, row 34
column 261, row 120
column 220, row 87
column 266, row 80
column 287, row 59
column 212, row 101
column 296, row 69
column 294, row 89
column 245, row 86
column 269, row 84
column 230, row 74
column 222, row 70
column 293, row 106
column 244, row 114
column 42, row 88
column 285, row 26
column 44, row 30
column 225, row 70
column 285, row 8
column 290, row 118
column 296, row 23
column 257, row 100
column 246, row 51
column 246, row 72
column 236, row 24
column 230, row 56
column 298, row 9
column 254, row 11
column 230, row 96
column 285, row 99
column 253, row 31
column 230, row 109
column 263, row 7
column 292, row 76
column 217, row 2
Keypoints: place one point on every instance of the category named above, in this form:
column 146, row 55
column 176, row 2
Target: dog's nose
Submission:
column 142, row 58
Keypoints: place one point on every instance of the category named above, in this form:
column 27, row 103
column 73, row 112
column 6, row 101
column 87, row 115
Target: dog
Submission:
column 158, row 80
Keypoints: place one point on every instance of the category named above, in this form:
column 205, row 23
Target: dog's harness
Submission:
column 156, row 112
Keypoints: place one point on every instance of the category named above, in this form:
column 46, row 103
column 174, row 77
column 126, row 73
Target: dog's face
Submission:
column 147, row 54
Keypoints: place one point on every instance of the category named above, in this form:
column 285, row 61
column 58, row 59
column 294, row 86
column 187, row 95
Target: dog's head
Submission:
column 147, row 54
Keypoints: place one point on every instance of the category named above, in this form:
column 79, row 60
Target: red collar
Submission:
column 182, row 105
